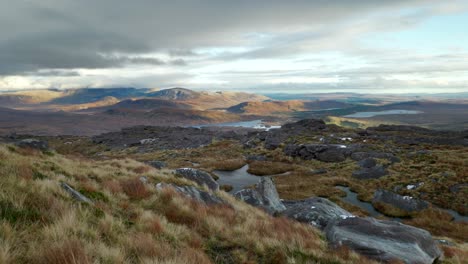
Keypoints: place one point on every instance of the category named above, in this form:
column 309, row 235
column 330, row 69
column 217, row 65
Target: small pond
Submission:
column 239, row 179
column 351, row 197
column 386, row 112
column 256, row 124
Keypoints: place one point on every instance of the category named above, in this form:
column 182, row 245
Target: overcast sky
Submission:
column 252, row 45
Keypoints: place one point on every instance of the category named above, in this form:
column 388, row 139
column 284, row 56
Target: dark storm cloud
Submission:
column 66, row 34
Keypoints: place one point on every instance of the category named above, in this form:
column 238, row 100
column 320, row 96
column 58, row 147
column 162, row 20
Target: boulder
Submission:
column 33, row 143
column 315, row 211
column 75, row 194
column 264, row 196
column 370, row 173
column 406, row 203
column 200, row 177
column 322, row 152
column 367, row 163
column 157, row 164
column 256, row 158
column 192, row 192
column 384, row 241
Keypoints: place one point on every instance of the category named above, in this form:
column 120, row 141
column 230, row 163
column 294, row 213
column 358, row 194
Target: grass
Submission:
column 263, row 168
column 132, row 222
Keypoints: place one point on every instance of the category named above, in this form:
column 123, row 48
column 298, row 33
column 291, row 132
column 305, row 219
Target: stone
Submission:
column 264, row 196
column 322, row 152
column 200, row 177
column 384, row 241
column 194, row 193
column 315, row 211
column 367, row 163
column 75, row 194
column 370, row 173
column 33, row 143
column 406, row 203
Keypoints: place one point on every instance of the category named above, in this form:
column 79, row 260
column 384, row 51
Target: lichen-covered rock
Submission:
column 264, row 196
column 406, row 203
column 192, row 192
column 315, row 211
column 384, row 241
column 200, row 177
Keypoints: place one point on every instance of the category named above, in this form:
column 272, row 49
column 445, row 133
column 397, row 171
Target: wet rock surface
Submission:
column 200, row 177
column 315, row 211
column 383, row 241
column 406, row 203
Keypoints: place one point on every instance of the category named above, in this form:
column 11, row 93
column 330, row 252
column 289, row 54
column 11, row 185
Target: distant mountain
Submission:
column 89, row 95
column 140, row 105
column 174, row 94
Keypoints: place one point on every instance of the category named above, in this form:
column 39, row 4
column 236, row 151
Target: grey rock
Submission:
column 370, row 173
column 192, row 192
column 157, row 164
column 75, row 194
column 200, row 177
column 367, row 163
column 264, row 196
column 322, row 152
column 33, row 143
column 406, row 203
column 384, row 241
column 315, row 211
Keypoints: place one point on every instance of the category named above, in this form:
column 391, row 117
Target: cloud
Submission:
column 59, row 42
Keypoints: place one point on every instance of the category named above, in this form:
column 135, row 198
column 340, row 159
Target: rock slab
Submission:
column 200, row 177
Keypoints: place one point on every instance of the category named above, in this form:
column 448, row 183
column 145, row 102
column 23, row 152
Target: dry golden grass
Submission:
column 131, row 222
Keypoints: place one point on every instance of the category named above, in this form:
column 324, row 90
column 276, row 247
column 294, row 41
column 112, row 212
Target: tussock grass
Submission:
column 132, row 222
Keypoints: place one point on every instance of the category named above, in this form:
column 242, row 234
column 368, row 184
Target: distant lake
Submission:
column 256, row 124
column 386, row 112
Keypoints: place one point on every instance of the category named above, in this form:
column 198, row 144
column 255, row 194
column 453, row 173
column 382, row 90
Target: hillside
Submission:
column 278, row 107
column 124, row 218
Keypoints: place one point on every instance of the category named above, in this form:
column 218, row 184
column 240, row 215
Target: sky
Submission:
column 266, row 46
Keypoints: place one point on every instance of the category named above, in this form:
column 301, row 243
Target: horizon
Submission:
column 416, row 46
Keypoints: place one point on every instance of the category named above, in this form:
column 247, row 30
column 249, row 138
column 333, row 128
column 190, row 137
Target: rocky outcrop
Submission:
column 264, row 196
column 315, row 211
column 370, row 173
column 33, row 143
column 200, row 177
column 75, row 194
column 384, row 241
column 274, row 138
column 194, row 193
column 406, row 203
column 322, row 152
